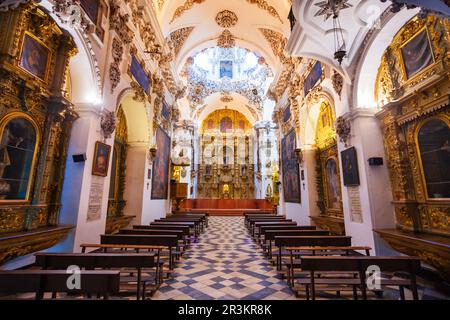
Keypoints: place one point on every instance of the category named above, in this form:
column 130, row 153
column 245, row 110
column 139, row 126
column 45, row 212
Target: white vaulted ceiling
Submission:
column 202, row 16
column 313, row 35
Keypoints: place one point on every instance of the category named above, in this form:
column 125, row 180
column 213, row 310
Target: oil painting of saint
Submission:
column 35, row 57
column 417, row 54
column 291, row 174
column 101, row 159
column 332, row 184
column 160, row 180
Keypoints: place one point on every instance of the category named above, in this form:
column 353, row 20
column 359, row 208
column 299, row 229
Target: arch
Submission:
column 428, row 140
column 312, row 114
column 7, row 159
column 136, row 115
column 367, row 69
column 85, row 82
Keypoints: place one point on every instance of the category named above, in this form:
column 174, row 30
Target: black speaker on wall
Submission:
column 79, row 157
column 376, row 161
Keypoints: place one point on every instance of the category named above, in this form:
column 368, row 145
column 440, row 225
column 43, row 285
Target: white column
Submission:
column 78, row 180
column 375, row 189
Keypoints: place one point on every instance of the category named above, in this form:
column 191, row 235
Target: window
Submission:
column 434, row 147
column 17, row 156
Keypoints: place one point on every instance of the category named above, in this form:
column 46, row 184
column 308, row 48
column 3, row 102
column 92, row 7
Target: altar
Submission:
column 228, row 207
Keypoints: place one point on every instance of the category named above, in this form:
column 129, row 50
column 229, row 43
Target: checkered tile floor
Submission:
column 226, row 264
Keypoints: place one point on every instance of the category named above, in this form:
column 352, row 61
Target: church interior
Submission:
column 224, row 150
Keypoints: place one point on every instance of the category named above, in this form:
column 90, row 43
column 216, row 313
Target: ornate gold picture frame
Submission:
column 35, row 57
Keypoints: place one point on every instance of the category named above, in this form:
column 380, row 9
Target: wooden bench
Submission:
column 168, row 241
column 299, row 241
column 251, row 220
column 203, row 216
column 359, row 265
column 91, row 261
column 181, row 236
column 198, row 222
column 263, row 229
column 270, row 235
column 258, row 224
column 295, row 254
column 103, row 283
column 191, row 225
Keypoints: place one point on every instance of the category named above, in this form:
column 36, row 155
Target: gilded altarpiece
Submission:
column 413, row 86
column 116, row 202
column 328, row 184
column 34, row 58
column 226, row 169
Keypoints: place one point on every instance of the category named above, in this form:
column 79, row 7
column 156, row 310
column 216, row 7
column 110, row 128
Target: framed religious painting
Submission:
column 350, row 167
column 291, row 174
column 314, row 76
column 160, row 179
column 226, row 69
column 287, row 114
column 101, row 159
column 35, row 57
column 139, row 74
column 417, row 54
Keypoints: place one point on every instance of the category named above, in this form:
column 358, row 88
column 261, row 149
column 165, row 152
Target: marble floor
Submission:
column 226, row 264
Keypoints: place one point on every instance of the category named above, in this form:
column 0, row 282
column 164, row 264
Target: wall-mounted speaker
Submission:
column 376, row 161
column 79, row 157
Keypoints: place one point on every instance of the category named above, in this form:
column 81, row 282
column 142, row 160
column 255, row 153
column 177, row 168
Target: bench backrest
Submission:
column 185, row 229
column 271, row 234
column 360, row 263
column 264, row 229
column 95, row 260
column 130, row 239
column 323, row 241
column 177, row 233
column 173, row 223
column 20, row 281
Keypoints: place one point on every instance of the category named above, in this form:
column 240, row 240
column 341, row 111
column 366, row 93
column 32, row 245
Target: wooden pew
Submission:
column 295, row 254
column 203, row 216
column 104, row 283
column 299, row 241
column 270, row 235
column 178, row 233
column 258, row 224
column 263, row 229
column 92, row 261
column 264, row 218
column 359, row 264
column 184, row 229
column 198, row 222
column 168, row 241
column 191, row 225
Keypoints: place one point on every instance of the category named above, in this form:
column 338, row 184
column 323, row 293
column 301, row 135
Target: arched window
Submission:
column 434, row 147
column 18, row 146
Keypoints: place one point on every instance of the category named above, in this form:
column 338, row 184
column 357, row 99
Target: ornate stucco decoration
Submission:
column 108, row 124
column 226, row 40
column 264, row 5
column 187, row 5
column 139, row 93
column 226, row 19
column 179, row 37
column 118, row 22
column 276, row 40
column 338, row 82
column 329, row 8
column 343, row 130
column 114, row 68
column 226, row 98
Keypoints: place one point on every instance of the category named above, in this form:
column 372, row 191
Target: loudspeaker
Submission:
column 79, row 157
column 375, row 161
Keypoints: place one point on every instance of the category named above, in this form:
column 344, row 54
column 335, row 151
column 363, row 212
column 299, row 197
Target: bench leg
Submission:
column 402, row 292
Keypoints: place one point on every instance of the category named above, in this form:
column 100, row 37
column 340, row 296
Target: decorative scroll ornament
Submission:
column 343, row 130
column 276, row 40
column 188, row 4
column 330, row 8
column 226, row 19
column 226, row 98
column 179, row 37
column 114, row 69
column 226, row 40
column 108, row 124
column 338, row 82
column 264, row 5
